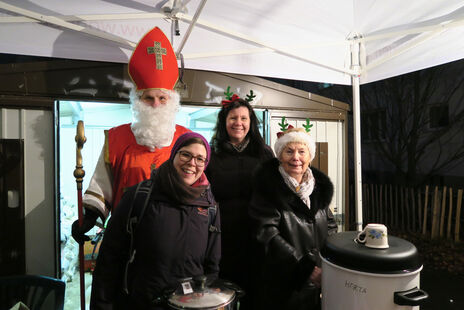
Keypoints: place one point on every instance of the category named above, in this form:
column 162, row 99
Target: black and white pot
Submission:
column 200, row 293
column 357, row 277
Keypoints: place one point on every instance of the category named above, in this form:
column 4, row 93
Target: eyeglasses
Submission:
column 186, row 157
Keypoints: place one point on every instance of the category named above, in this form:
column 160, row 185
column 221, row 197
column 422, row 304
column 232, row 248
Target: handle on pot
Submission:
column 238, row 290
column 200, row 281
column 411, row 297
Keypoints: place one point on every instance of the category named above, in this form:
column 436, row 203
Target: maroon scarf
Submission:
column 168, row 181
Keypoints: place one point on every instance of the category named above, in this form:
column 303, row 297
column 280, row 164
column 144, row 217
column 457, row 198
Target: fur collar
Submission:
column 269, row 183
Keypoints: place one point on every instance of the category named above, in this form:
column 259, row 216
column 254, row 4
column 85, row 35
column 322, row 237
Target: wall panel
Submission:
column 35, row 128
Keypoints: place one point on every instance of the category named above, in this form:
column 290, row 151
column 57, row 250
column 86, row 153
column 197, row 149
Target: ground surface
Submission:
column 439, row 255
column 72, row 295
column 442, row 276
column 446, row 290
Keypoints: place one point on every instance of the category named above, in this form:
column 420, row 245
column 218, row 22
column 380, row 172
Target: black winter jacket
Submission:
column 229, row 173
column 171, row 241
column 291, row 235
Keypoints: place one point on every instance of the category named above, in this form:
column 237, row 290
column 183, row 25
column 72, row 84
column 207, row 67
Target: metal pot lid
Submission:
column 401, row 257
column 198, row 294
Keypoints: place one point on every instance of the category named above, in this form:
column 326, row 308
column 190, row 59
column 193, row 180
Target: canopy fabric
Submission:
column 349, row 42
column 295, row 39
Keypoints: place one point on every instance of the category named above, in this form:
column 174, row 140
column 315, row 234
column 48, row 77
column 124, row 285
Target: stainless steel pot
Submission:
column 200, row 293
column 357, row 277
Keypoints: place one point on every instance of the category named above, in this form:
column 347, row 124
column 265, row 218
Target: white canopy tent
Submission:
column 349, row 42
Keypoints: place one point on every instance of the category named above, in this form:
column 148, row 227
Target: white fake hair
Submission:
column 154, row 127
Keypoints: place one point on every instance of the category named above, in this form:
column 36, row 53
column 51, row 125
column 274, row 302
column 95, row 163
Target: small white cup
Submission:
column 374, row 236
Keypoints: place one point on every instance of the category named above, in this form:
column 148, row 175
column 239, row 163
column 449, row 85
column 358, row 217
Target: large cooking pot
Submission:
column 358, row 277
column 202, row 293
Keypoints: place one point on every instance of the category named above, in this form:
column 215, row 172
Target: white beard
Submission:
column 154, row 127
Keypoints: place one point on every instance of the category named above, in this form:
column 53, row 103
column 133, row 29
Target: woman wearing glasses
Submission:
column 172, row 240
column 237, row 148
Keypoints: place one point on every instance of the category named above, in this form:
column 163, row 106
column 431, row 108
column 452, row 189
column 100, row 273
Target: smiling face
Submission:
column 295, row 159
column 238, row 124
column 189, row 171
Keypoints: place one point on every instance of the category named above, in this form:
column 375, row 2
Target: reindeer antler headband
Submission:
column 290, row 134
column 231, row 97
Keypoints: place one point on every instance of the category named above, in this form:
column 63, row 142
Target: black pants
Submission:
column 307, row 298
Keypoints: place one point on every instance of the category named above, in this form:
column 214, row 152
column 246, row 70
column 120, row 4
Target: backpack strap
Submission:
column 213, row 234
column 141, row 198
column 212, row 210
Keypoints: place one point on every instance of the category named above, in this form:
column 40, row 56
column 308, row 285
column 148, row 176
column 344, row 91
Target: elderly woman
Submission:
column 237, row 148
column 291, row 221
column 170, row 239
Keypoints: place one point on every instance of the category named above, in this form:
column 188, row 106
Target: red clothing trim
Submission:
column 130, row 162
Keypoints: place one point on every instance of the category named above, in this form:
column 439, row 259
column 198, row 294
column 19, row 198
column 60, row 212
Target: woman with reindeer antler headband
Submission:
column 291, row 219
column 237, row 148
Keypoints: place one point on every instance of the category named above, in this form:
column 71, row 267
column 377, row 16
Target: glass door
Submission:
column 97, row 117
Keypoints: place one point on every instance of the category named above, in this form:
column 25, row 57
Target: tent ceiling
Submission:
column 296, row 39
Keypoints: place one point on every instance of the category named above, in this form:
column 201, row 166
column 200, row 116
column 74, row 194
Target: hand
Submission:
column 304, row 269
column 78, row 232
column 315, row 276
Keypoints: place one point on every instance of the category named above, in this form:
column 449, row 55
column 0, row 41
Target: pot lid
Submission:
column 197, row 293
column 401, row 256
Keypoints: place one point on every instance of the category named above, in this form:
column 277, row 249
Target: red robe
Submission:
column 130, row 162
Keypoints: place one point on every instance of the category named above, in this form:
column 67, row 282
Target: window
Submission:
column 439, row 116
column 373, row 125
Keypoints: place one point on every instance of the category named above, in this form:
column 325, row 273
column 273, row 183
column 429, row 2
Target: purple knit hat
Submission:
column 184, row 138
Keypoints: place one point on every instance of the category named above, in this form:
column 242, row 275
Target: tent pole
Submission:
column 190, row 28
column 248, row 39
column 355, row 65
column 53, row 20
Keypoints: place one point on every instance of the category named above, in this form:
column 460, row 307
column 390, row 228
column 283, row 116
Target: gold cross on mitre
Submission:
column 159, row 52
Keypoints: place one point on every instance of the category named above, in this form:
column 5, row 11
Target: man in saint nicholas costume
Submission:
column 132, row 150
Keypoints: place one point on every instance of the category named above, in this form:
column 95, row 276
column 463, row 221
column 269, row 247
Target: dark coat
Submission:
column 171, row 241
column 291, row 236
column 229, row 173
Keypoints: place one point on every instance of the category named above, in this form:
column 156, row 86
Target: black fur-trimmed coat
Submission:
column 290, row 235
